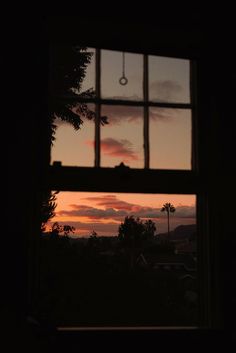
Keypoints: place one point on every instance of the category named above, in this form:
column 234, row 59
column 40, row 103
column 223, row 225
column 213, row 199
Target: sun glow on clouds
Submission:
column 117, row 148
column 104, row 212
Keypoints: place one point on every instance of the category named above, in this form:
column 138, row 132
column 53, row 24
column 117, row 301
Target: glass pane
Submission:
column 170, row 138
column 117, row 259
column 169, row 80
column 75, row 147
column 122, row 137
column 112, row 71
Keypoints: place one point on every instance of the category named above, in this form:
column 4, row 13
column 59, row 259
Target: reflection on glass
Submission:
column 169, row 80
column 122, row 137
column 108, row 259
column 75, row 147
column 112, row 66
column 170, row 138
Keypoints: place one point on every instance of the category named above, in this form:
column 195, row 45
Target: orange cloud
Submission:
column 118, row 148
column 111, row 201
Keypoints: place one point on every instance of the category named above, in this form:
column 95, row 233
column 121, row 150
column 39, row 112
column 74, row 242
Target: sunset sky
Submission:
column 103, row 212
column 122, row 138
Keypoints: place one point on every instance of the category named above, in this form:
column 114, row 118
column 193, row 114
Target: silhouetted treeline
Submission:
column 91, row 282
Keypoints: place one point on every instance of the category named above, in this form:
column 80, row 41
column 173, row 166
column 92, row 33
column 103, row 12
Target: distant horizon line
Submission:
column 87, row 236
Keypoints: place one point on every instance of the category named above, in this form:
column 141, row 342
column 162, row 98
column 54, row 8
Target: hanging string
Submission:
column 123, row 64
column 123, row 80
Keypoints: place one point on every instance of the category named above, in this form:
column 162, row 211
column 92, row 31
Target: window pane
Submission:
column 72, row 75
column 170, row 138
column 112, row 71
column 169, row 80
column 119, row 265
column 75, row 147
column 122, row 137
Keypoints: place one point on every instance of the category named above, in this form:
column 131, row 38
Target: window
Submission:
column 139, row 139
column 147, row 104
column 120, row 267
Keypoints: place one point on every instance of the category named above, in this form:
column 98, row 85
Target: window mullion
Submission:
column 146, row 111
column 98, row 109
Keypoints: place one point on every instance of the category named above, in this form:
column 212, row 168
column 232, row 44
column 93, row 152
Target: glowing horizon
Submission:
column 103, row 212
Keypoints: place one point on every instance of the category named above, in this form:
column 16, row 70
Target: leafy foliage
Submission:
column 68, row 70
column 133, row 231
column 149, row 229
column 65, row 229
column 48, row 208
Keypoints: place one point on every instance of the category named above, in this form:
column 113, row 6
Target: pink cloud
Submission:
column 93, row 212
column 111, row 201
column 118, row 148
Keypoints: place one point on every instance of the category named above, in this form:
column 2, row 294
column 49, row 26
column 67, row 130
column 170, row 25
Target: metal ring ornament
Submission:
column 123, row 80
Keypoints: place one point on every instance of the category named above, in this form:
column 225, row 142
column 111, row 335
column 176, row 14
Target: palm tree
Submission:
column 169, row 208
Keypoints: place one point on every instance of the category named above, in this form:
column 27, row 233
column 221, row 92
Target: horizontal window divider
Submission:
column 122, row 180
column 127, row 102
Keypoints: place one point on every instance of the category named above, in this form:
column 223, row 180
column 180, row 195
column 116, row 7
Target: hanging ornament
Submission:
column 123, row 80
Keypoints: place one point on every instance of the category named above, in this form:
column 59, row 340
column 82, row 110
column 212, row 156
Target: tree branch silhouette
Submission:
column 68, row 70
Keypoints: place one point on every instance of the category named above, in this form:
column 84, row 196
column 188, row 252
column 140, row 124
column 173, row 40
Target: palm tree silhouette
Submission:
column 168, row 207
